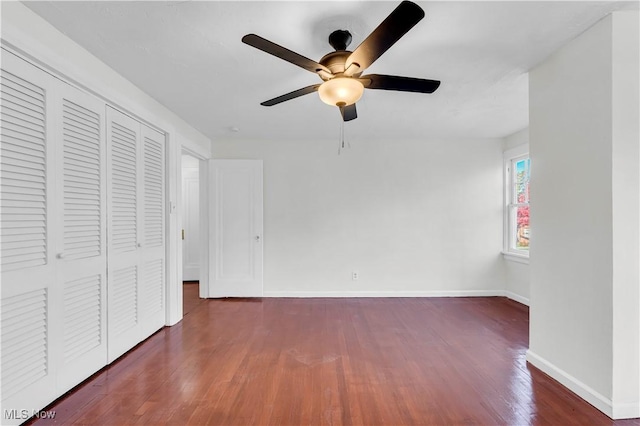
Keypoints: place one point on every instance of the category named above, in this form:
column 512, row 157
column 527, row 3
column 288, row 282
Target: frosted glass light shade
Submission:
column 341, row 91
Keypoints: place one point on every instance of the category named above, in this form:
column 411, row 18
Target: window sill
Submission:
column 516, row 257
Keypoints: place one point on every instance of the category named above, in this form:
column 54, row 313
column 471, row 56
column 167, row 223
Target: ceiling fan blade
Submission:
column 402, row 84
column 349, row 112
column 291, row 95
column 397, row 24
column 284, row 53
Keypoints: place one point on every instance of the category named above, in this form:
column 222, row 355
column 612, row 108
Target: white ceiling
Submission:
column 188, row 55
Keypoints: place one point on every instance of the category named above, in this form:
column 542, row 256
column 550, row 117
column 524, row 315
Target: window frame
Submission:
column 510, row 157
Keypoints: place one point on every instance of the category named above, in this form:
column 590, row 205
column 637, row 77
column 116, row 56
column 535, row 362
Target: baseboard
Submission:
column 460, row 293
column 516, row 297
column 435, row 293
column 576, row 386
column 626, row 411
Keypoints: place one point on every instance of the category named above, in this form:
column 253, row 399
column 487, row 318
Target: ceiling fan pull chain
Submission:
column 341, row 141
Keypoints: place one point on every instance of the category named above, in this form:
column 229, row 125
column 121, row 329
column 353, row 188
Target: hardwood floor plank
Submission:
column 404, row 361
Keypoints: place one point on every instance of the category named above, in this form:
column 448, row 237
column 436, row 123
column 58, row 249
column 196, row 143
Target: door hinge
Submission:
column 183, row 234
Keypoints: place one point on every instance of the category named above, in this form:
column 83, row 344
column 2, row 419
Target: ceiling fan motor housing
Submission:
column 335, row 62
column 340, row 39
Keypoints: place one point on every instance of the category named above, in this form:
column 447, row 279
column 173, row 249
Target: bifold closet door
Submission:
column 80, row 242
column 123, row 136
column 152, row 284
column 78, row 289
column 53, row 236
column 136, row 255
column 27, row 257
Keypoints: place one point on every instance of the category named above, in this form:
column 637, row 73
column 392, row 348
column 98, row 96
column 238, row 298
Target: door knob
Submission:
column 257, row 238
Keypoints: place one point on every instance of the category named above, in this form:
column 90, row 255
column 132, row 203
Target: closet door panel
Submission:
column 81, row 242
column 26, row 255
column 152, row 284
column 123, row 146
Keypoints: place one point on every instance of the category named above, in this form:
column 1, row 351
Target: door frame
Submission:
column 190, row 201
column 203, row 194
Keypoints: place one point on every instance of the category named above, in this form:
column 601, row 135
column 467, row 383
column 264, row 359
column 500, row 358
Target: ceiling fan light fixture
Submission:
column 342, row 69
column 341, row 91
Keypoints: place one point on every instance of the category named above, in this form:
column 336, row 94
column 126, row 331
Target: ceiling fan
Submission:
column 341, row 71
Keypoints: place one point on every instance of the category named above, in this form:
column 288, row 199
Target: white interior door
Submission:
column 136, row 257
column 190, row 224
column 152, row 250
column 123, row 146
column 81, row 235
column 236, row 244
column 27, row 257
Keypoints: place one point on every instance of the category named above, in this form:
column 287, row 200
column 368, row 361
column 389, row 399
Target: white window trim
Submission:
column 516, row 257
column 508, row 156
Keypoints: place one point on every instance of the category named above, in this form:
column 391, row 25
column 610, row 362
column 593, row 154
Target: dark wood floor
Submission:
column 190, row 298
column 431, row 361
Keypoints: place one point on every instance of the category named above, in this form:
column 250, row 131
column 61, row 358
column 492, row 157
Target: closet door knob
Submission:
column 60, row 256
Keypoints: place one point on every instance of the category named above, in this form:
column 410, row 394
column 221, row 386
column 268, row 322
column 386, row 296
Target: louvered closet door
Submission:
column 26, row 252
column 152, row 273
column 136, row 258
column 124, row 223
column 81, row 238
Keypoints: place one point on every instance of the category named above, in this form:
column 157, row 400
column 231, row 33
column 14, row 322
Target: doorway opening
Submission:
column 190, row 218
column 191, row 234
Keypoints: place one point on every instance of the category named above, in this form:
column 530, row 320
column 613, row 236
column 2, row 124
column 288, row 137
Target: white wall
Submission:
column 584, row 216
column 517, row 275
column 32, row 37
column 412, row 217
column 626, row 213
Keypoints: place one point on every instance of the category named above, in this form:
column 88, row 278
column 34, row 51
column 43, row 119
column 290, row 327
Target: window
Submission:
column 517, row 177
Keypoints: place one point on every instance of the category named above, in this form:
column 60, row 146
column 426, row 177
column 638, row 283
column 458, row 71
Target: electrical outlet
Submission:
column 355, row 275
